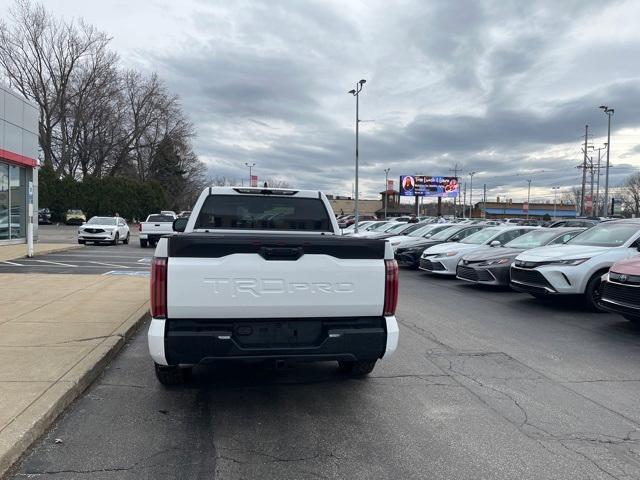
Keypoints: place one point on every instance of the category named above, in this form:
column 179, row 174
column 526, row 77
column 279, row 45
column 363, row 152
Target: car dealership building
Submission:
column 18, row 167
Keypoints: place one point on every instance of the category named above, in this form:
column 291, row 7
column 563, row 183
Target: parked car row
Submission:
column 600, row 264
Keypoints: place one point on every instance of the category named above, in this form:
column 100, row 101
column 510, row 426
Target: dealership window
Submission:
column 17, row 198
column 4, row 201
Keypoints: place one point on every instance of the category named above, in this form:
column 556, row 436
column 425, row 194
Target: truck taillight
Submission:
column 139, row 227
column 159, row 288
column 390, row 287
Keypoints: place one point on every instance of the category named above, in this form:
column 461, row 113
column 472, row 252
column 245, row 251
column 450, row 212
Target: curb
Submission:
column 63, row 248
column 40, row 415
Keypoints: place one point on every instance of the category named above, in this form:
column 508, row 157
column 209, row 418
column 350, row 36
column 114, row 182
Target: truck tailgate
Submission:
column 292, row 276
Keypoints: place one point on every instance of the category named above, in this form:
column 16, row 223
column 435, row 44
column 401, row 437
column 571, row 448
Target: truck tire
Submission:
column 143, row 244
column 358, row 368
column 172, row 375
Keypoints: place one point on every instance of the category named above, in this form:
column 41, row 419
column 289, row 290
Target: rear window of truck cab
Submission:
column 264, row 212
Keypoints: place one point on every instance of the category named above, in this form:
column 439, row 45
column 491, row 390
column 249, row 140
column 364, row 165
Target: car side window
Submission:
column 467, row 232
column 508, row 236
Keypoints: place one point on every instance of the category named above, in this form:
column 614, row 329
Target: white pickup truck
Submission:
column 264, row 274
column 155, row 226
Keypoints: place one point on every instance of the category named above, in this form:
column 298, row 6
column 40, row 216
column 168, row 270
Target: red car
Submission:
column 620, row 289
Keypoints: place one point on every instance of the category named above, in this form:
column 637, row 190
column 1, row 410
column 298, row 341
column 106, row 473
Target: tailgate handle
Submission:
column 281, row 253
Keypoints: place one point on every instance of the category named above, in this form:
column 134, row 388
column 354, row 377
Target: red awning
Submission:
column 18, row 159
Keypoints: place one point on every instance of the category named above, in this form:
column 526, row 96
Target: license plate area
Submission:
column 288, row 333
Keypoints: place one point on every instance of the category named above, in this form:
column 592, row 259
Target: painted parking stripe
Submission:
column 128, row 273
column 53, row 263
column 12, row 263
column 109, row 264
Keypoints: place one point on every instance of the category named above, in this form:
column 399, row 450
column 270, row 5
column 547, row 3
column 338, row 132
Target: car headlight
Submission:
column 575, row 261
column 449, row 254
column 497, row 261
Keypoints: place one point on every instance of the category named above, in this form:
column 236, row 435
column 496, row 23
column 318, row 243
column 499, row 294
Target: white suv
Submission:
column 576, row 267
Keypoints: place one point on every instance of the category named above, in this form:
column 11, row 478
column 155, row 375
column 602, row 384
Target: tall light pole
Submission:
column 609, row 113
column 386, row 190
column 555, row 192
column 598, row 183
column 250, row 165
column 471, row 174
column 356, row 93
column 528, row 197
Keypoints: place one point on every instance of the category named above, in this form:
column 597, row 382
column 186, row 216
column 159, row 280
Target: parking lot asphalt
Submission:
column 103, row 259
column 484, row 385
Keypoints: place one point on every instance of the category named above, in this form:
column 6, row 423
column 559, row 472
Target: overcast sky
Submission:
column 503, row 88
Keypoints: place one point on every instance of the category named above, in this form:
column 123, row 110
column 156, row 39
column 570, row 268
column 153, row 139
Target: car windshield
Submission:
column 533, row 239
column 447, row 232
column 383, row 227
column 74, row 212
column 423, row 230
column 102, row 221
column 606, row 235
column 481, row 237
column 399, row 228
column 160, row 218
column 375, row 225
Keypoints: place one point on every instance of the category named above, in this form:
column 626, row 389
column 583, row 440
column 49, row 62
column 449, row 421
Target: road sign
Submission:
column 525, row 207
column 254, row 180
column 588, row 203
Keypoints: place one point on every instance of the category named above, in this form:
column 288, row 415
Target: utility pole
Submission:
column 528, row 198
column 609, row 112
column 386, row 190
column 584, row 169
column 484, row 201
column 455, row 171
column 555, row 192
column 250, row 165
column 591, row 171
column 356, row 93
column 471, row 174
column 464, row 201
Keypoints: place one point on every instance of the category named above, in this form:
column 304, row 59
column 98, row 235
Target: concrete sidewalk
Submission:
column 11, row 252
column 57, row 332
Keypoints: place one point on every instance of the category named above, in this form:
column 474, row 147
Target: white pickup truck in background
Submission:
column 264, row 274
column 155, row 226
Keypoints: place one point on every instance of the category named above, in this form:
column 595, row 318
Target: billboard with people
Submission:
column 427, row 186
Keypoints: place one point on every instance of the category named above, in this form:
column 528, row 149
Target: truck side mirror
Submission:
column 179, row 224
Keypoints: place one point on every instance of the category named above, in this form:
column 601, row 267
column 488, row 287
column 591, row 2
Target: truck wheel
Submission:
column 172, row 375
column 143, row 244
column 358, row 368
column 592, row 293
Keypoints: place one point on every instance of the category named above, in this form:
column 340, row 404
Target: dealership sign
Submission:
column 426, row 186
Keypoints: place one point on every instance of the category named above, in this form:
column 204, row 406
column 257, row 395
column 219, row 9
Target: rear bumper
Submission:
column 189, row 342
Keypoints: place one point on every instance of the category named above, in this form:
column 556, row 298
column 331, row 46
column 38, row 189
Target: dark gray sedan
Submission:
column 491, row 266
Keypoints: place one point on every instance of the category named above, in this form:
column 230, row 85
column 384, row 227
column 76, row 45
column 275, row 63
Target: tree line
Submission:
column 97, row 120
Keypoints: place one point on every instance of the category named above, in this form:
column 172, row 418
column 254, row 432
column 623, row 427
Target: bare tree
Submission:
column 631, row 195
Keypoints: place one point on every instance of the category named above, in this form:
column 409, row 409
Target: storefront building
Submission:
column 18, row 167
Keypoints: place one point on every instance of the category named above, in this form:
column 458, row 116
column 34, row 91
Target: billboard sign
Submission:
column 616, row 206
column 389, row 184
column 426, row 186
column 254, row 180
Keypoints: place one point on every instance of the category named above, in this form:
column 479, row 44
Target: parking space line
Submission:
column 12, row 263
column 110, row 264
column 53, row 263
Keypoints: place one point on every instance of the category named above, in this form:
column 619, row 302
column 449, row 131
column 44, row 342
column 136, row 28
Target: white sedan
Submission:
column 443, row 259
column 104, row 229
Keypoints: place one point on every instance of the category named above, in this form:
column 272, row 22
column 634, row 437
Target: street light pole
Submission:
column 471, row 174
column 356, row 93
column 598, row 183
column 250, row 165
column 555, row 193
column 386, row 190
column 528, row 197
column 609, row 112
